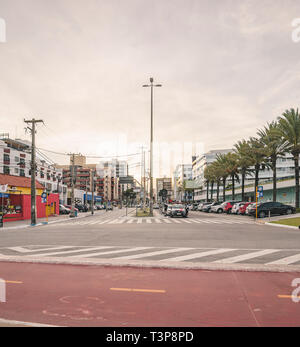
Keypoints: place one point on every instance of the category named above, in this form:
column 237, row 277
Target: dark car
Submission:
column 63, row 210
column 81, row 208
column 177, row 211
column 271, row 208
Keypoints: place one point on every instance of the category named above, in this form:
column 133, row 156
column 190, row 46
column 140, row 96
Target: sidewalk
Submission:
column 53, row 219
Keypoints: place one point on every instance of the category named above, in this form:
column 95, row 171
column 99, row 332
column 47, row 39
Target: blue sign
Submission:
column 260, row 188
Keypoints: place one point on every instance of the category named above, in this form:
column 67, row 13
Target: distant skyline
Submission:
column 227, row 68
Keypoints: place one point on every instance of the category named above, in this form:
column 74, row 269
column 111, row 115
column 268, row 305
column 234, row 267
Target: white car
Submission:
column 249, row 207
column 218, row 208
column 236, row 207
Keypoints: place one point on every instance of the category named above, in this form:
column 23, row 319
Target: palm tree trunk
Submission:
column 211, row 190
column 207, row 191
column 274, row 179
column 224, row 185
column 243, row 186
column 233, row 192
column 296, row 160
column 256, row 180
column 218, row 188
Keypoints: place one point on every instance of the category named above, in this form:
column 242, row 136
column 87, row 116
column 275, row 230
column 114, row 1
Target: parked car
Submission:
column 207, row 208
column 202, row 204
column 218, row 208
column 228, row 206
column 249, row 207
column 70, row 207
column 236, row 207
column 243, row 207
column 109, row 207
column 272, row 208
column 195, row 207
column 81, row 207
column 177, row 211
column 64, row 210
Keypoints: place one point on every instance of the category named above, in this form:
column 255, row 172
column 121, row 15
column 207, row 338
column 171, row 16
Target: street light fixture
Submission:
column 151, row 85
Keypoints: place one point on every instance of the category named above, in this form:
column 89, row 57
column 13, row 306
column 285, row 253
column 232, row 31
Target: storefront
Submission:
column 15, row 202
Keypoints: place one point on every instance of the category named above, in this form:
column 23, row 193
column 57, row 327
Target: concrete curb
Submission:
column 152, row 264
column 281, row 225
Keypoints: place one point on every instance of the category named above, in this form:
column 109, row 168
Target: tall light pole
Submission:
column 151, row 85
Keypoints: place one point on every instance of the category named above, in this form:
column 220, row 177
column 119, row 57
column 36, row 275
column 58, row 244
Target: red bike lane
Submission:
column 69, row 295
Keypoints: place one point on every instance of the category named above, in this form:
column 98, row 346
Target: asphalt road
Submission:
column 208, row 238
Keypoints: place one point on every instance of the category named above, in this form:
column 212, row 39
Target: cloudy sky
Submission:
column 227, row 67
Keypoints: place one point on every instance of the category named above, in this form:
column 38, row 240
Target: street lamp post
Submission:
column 151, row 85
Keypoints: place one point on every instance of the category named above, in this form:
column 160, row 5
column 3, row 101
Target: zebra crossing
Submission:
column 154, row 220
column 158, row 254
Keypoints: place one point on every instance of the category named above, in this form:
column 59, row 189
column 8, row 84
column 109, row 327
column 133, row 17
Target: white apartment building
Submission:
column 285, row 170
column 15, row 160
column 182, row 173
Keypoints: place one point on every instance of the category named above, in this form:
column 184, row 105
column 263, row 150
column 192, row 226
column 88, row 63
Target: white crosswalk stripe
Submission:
column 247, row 256
column 112, row 252
column 72, row 251
column 200, row 255
column 286, row 261
column 151, row 254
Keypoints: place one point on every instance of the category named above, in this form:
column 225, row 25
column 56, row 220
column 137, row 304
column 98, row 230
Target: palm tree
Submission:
column 289, row 129
column 221, row 160
column 210, row 178
column 276, row 147
column 217, row 172
column 232, row 169
column 258, row 154
column 241, row 148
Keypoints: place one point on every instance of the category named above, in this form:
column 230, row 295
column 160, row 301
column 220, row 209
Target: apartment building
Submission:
column 15, row 160
column 164, row 183
column 182, row 173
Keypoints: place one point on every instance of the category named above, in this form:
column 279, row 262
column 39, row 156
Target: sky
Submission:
column 226, row 68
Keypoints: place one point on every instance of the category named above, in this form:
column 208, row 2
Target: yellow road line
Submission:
column 139, row 290
column 14, row 282
column 288, row 297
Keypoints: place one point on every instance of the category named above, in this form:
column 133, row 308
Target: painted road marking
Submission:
column 139, row 290
column 111, row 252
column 246, row 256
column 288, row 297
column 148, row 220
column 25, row 250
column 139, row 221
column 73, row 251
column 158, row 220
column 167, row 221
column 144, row 255
column 286, row 261
column 201, row 254
column 14, row 282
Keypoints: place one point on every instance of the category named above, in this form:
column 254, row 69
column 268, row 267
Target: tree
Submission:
column 289, row 129
column 275, row 147
column 221, row 160
column 217, row 172
column 232, row 168
column 242, row 149
column 258, row 154
column 210, row 179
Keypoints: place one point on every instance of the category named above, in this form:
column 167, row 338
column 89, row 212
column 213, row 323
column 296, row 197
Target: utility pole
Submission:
column 33, row 167
column 151, row 85
column 73, row 177
column 93, row 184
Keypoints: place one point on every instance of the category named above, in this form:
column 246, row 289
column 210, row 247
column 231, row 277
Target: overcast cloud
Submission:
column 227, row 67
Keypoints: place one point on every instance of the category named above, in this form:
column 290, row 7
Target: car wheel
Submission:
column 262, row 214
column 220, row 210
column 289, row 211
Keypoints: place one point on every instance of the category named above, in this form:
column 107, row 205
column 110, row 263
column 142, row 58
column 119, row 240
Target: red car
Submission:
column 242, row 209
column 228, row 206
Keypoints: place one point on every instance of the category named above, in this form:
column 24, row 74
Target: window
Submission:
column 6, row 158
column 17, row 159
column 6, row 170
column 22, row 172
column 16, row 170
